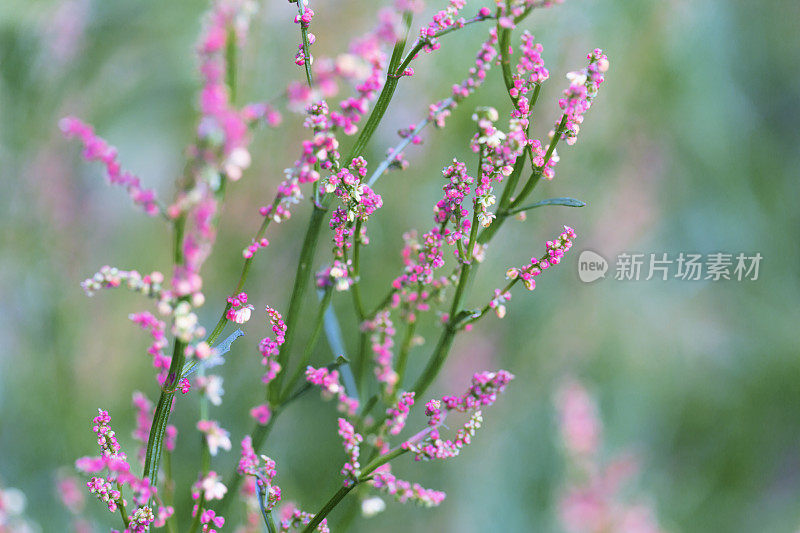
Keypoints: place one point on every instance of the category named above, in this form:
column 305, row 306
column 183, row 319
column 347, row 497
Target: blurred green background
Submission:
column 692, row 145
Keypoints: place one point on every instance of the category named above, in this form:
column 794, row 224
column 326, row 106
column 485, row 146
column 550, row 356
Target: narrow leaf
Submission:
column 333, row 332
column 566, row 202
column 216, row 359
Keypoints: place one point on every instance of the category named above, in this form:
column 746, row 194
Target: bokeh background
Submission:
column 691, row 146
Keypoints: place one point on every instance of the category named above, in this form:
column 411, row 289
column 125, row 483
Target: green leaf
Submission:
column 334, row 335
column 566, row 202
column 220, row 349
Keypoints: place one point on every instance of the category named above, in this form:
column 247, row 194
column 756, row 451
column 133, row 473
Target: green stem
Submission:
column 446, row 339
column 223, row 321
column 537, row 174
column 375, row 117
column 301, row 279
column 383, row 304
column 504, row 37
column 448, row 334
column 121, row 505
column 420, row 43
column 169, row 489
column 380, row 461
column 161, row 415
column 269, row 521
column 310, row 344
column 302, row 273
column 260, row 434
column 510, row 187
column 368, row 406
column 230, row 63
column 196, row 522
column 267, row 515
column 179, row 227
column 488, row 306
column 405, row 348
column 328, row 507
column 509, row 205
column 503, row 40
column 382, row 104
column 360, row 366
column 344, row 491
column 355, row 288
column 436, row 361
column 304, row 36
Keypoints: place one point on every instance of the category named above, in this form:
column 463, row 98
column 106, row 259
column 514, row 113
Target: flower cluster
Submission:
column 359, row 202
column 106, row 438
column 328, row 381
column 483, row 392
column 303, row 18
column 251, row 250
column 451, row 207
column 105, row 492
column 269, row 347
column 185, row 324
column 397, row 415
column 555, row 252
column 365, row 65
column 249, row 465
column 359, row 199
column 211, row 388
column 438, row 112
column 114, row 462
column 593, row 500
column 156, row 328
column 223, row 128
column 422, row 259
column 321, row 150
column 111, row 277
column 97, row 149
column 418, row 285
column 336, row 275
column 403, row 491
column 442, row 20
column 216, row 437
column 351, row 442
column 498, row 303
column 382, row 342
column 262, row 414
column 210, row 486
column 210, row 520
column 293, row 518
column 530, row 68
column 140, row 520
column 578, row 97
column 239, row 310
column 498, row 153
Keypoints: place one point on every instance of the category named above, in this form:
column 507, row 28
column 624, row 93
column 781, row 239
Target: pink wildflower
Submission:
column 328, row 381
column 97, row 149
column 216, row 437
